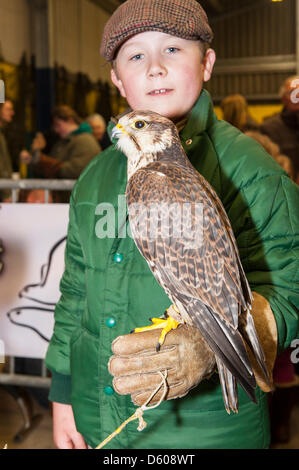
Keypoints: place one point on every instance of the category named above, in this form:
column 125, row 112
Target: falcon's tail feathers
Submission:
column 229, row 348
column 229, row 387
column 249, row 333
column 245, row 284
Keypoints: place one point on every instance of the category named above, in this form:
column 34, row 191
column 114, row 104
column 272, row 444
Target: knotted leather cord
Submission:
column 139, row 412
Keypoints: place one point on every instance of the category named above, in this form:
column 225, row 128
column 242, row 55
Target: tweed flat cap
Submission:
column 183, row 18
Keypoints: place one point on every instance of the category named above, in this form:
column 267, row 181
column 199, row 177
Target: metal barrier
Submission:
column 46, row 185
column 11, row 379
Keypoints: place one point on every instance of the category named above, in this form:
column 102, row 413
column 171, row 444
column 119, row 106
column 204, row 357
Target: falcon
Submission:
column 180, row 227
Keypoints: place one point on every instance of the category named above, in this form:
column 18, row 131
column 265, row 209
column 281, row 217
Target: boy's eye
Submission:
column 139, row 124
column 172, row 49
column 137, row 57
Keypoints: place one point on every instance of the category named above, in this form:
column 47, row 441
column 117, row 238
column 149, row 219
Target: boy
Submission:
column 161, row 57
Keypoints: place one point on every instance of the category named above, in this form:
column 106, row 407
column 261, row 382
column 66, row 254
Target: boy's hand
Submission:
column 135, row 364
column 65, row 433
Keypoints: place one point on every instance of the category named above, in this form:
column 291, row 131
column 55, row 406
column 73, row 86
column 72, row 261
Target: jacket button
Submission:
column 110, row 322
column 108, row 390
column 118, row 257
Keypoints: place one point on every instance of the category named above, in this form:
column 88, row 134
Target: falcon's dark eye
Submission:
column 139, row 124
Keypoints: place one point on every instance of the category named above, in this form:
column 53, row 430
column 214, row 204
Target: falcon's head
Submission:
column 143, row 136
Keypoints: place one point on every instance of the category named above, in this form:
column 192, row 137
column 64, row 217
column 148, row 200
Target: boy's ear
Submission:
column 209, row 62
column 118, row 83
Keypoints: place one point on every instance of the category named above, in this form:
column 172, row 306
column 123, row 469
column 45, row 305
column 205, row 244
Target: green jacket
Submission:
column 108, row 289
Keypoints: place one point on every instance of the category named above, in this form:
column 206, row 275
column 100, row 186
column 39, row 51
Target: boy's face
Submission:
column 161, row 73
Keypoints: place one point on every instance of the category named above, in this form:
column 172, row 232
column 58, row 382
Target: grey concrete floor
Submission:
column 11, row 422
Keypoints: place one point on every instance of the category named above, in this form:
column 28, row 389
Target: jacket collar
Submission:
column 200, row 118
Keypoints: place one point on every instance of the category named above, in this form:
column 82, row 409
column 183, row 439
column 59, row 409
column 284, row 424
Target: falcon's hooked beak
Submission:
column 118, row 131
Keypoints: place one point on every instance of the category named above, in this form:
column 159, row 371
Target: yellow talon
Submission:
column 167, row 325
column 156, row 323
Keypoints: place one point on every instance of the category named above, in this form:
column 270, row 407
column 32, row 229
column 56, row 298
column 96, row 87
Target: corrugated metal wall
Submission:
column 14, row 30
column 256, row 49
column 76, row 30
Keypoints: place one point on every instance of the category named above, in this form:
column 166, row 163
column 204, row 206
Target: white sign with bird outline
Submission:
column 33, row 238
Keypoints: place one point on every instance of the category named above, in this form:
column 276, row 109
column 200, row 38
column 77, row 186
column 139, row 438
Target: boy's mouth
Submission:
column 160, row 91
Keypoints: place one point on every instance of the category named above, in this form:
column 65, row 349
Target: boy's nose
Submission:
column 156, row 69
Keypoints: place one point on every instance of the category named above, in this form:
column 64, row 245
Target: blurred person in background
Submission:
column 283, row 127
column 75, row 148
column 98, row 126
column 235, row 111
column 6, row 117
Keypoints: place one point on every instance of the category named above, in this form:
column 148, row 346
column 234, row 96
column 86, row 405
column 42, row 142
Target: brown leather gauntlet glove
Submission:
column 266, row 329
column 135, row 364
column 185, row 355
